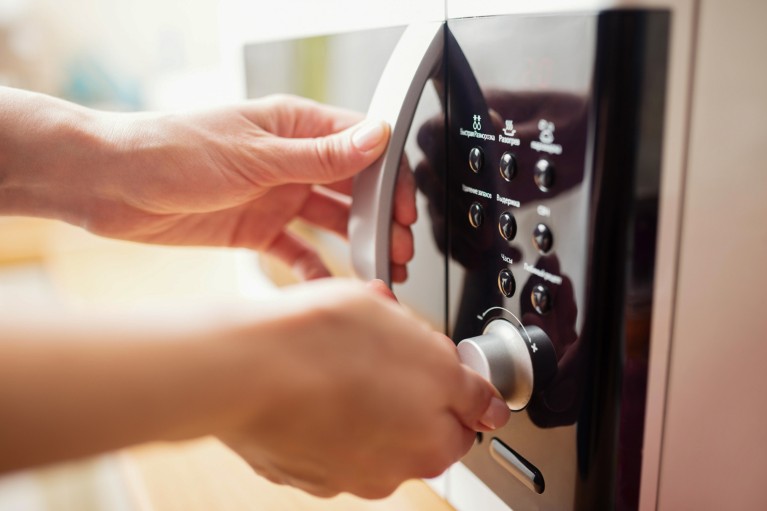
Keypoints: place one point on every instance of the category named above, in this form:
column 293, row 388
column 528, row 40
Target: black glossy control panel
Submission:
column 553, row 153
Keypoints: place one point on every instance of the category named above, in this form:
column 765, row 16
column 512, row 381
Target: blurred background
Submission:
column 122, row 56
column 111, row 54
column 167, row 55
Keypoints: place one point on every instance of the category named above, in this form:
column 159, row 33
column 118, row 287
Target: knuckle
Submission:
column 379, row 490
column 327, row 156
column 322, row 492
column 434, row 462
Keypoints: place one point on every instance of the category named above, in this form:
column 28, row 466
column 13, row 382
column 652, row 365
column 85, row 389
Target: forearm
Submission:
column 68, row 391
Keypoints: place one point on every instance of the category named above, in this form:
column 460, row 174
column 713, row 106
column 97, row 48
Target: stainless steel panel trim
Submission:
column 520, row 468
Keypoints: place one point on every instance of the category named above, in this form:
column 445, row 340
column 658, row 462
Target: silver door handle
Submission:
column 417, row 55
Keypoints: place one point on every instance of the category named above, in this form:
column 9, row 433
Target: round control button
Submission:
column 476, row 159
column 506, row 283
column 476, row 214
column 501, row 356
column 543, row 239
column 516, row 359
column 541, row 299
column 508, row 167
column 544, row 175
column 507, row 226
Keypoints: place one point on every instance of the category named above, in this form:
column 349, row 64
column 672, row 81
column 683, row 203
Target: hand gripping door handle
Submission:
column 417, row 55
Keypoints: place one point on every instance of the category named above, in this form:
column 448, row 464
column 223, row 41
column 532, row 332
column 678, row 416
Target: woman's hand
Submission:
column 354, row 394
column 233, row 176
column 331, row 386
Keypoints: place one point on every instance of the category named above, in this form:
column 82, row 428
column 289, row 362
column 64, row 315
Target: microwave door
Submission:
column 546, row 182
column 564, row 176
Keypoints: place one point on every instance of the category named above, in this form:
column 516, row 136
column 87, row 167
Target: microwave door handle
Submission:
column 417, row 56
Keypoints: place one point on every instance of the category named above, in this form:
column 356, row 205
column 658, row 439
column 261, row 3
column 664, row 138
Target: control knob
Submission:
column 515, row 362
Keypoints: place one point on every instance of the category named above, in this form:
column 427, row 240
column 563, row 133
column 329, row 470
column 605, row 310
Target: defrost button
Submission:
column 476, row 159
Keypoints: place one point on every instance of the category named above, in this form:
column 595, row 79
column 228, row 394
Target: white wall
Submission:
column 134, row 48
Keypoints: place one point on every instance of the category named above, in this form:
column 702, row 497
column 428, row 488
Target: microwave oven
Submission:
column 590, row 196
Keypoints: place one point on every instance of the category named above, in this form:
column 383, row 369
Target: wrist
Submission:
column 47, row 147
column 115, row 381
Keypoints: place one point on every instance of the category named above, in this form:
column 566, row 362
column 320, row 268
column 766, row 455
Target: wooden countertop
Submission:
column 205, row 475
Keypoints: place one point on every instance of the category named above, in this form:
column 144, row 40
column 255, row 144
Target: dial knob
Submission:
column 516, row 363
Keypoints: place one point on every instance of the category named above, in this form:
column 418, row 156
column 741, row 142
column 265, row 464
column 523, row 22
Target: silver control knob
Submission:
column 514, row 363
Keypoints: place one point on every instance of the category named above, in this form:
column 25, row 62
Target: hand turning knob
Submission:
column 513, row 362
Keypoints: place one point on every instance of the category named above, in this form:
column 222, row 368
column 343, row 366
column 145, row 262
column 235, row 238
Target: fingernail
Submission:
column 496, row 415
column 368, row 135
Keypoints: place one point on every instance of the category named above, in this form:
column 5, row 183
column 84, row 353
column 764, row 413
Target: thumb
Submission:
column 478, row 404
column 332, row 157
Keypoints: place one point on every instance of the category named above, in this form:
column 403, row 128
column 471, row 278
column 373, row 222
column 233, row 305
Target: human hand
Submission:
column 330, row 386
column 354, row 394
column 233, row 176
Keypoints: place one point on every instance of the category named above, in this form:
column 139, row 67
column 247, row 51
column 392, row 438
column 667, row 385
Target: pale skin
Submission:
column 330, row 387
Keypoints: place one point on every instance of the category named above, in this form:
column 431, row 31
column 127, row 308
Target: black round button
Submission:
column 507, row 225
column 541, row 299
column 543, row 239
column 506, row 283
column 508, row 167
column 476, row 159
column 476, row 214
column 544, row 175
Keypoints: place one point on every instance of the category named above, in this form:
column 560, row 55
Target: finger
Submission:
column 290, row 116
column 402, row 245
column 458, row 442
column 300, row 256
column 448, row 442
column 398, row 273
column 448, row 342
column 318, row 489
column 344, row 187
column 404, row 193
column 476, row 403
column 375, row 489
column 326, row 159
column 466, row 439
column 326, row 212
column 404, row 206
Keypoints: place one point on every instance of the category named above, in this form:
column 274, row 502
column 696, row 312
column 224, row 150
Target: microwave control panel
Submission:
column 553, row 155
